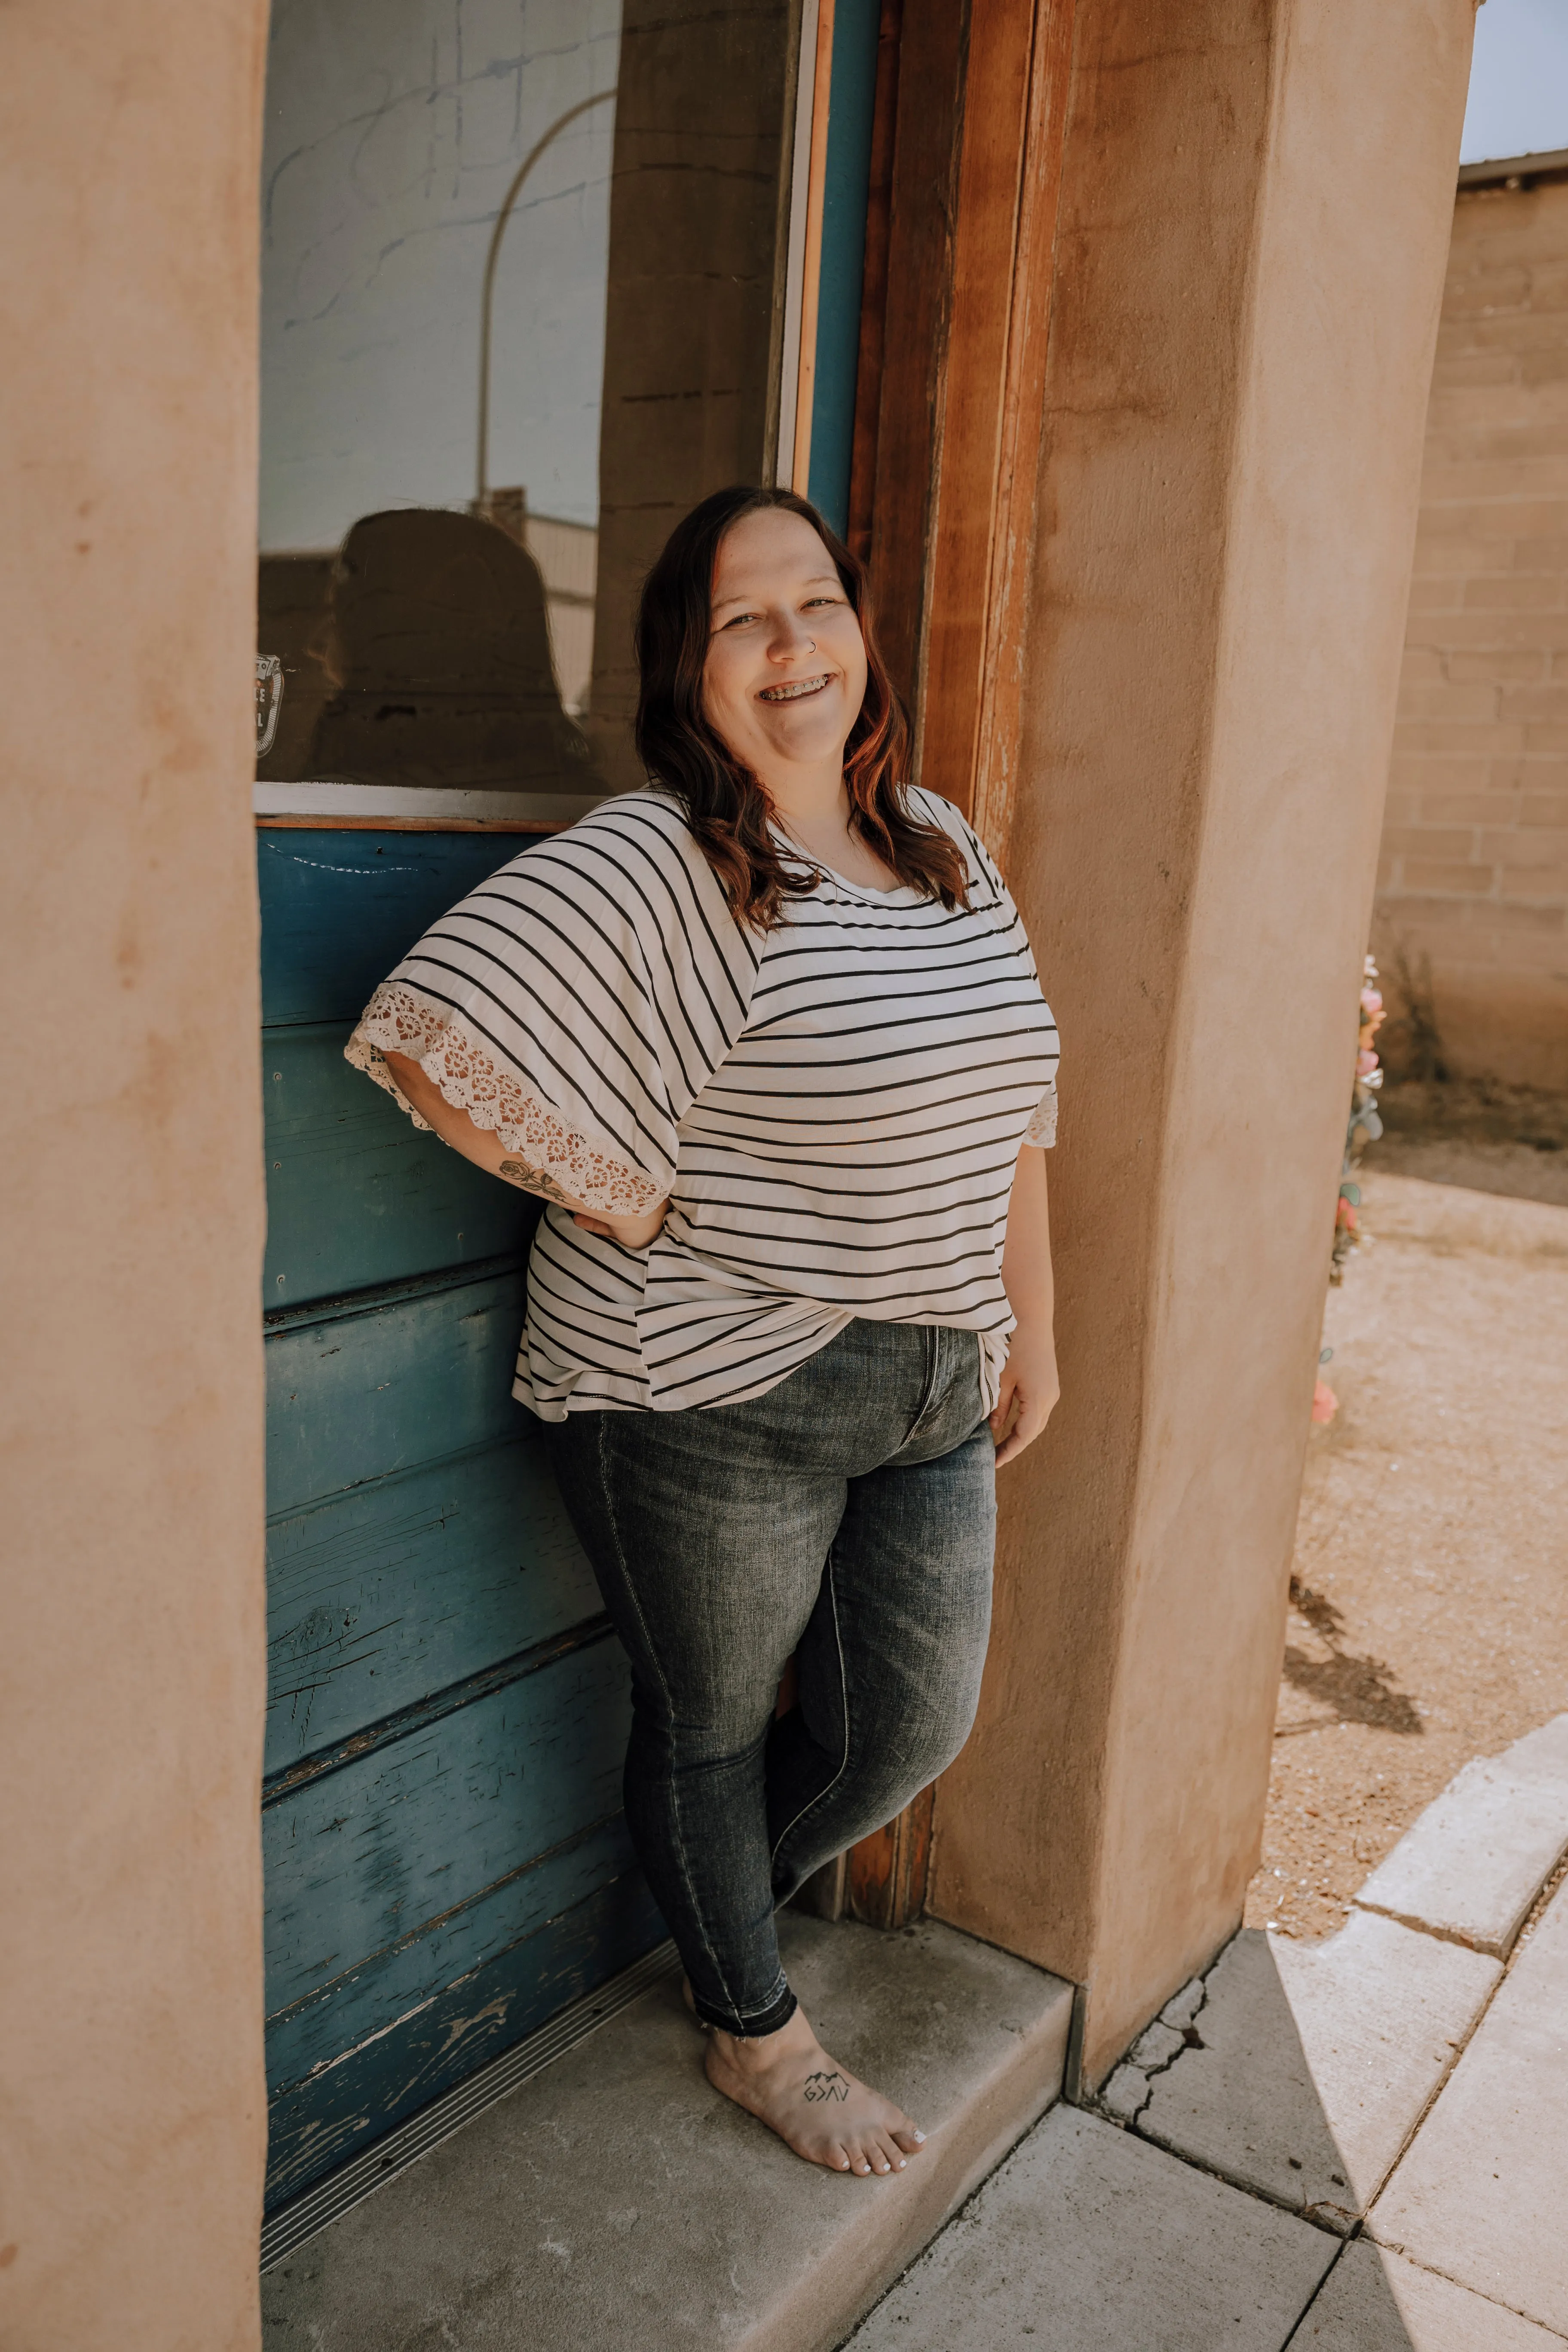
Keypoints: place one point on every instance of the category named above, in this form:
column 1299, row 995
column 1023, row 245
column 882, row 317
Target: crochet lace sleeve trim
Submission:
column 1042, row 1128
column 398, row 1021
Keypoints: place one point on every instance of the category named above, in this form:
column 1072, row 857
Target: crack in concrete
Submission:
column 1184, row 2024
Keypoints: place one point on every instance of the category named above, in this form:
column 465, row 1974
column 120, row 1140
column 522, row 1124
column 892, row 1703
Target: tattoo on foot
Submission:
column 827, row 2087
column 535, row 1179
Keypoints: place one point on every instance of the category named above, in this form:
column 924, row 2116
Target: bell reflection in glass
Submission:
column 437, row 652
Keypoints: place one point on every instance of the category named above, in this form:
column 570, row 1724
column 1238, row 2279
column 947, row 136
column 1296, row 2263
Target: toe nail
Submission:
column 919, row 2136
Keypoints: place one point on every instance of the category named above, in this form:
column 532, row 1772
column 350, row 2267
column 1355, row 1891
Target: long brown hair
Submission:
column 727, row 807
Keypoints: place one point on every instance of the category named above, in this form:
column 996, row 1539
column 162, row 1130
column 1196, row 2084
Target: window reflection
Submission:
column 451, row 549
column 438, row 654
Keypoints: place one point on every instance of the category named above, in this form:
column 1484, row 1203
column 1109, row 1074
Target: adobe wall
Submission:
column 1473, row 883
column 132, row 1639
column 1235, row 392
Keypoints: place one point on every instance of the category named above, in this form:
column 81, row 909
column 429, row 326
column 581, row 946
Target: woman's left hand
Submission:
column 1029, row 1390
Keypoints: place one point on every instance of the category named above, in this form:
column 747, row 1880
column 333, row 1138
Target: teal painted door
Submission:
column 446, row 1859
column 521, row 266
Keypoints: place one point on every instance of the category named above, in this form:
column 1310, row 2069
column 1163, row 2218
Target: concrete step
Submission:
column 614, row 2202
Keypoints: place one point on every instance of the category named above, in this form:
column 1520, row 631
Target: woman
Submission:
column 768, row 1039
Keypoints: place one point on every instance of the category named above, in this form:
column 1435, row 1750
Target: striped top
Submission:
column 834, row 1110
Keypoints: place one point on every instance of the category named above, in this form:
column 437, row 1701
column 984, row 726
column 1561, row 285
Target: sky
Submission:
column 1519, row 81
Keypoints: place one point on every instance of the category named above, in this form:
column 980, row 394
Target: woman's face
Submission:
column 786, row 674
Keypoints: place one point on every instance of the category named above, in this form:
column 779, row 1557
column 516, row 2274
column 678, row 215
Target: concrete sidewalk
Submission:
column 1359, row 2145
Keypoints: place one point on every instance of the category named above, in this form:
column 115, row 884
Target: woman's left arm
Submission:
column 1030, row 1383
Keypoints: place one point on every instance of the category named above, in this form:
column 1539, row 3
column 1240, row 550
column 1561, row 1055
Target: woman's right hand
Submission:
column 632, row 1233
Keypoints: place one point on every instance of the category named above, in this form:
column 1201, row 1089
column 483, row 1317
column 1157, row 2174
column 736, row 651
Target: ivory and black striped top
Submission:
column 834, row 1110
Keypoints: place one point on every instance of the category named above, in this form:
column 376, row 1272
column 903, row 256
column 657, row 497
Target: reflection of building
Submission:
column 1473, row 891
column 567, row 553
column 1134, row 413
column 567, row 556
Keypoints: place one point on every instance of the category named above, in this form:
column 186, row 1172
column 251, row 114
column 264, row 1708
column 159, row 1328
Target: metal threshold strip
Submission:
column 322, row 2203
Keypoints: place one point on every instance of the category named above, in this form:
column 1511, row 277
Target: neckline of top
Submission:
column 900, row 893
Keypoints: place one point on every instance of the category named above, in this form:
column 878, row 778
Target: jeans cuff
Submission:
column 750, row 2029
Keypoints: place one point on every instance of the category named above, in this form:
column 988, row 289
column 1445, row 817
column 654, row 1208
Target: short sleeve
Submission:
column 1041, row 1131
column 577, row 1001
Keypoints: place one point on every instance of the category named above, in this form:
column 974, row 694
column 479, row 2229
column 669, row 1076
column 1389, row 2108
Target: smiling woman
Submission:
column 777, row 694
column 759, row 666
column 768, row 1038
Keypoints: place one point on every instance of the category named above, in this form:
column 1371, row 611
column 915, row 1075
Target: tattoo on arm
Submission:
column 535, row 1179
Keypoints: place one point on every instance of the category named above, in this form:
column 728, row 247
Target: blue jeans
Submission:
column 847, row 1516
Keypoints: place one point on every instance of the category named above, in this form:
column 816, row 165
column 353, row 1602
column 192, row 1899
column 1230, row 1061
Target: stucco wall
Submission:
column 1236, row 390
column 132, row 1646
column 1473, row 887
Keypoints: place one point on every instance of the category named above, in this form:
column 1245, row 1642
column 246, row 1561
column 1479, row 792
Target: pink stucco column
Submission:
column 1255, row 214
column 131, row 1631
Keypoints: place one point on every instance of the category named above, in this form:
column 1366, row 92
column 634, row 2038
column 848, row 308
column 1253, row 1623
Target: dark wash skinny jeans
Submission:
column 847, row 1515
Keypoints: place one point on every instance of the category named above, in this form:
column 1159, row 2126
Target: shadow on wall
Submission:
column 418, row 656
column 1412, row 1044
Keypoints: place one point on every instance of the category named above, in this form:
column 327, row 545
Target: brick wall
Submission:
column 1474, row 873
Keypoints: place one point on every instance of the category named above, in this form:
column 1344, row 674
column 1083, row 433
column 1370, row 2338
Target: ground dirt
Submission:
column 1478, row 1133
column 1429, row 1617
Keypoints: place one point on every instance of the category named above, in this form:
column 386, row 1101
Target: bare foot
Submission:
column 790, row 2082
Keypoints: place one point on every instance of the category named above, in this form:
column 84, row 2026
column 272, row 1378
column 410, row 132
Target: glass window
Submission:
column 522, row 279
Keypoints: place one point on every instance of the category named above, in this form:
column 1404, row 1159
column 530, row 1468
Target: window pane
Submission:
column 521, row 284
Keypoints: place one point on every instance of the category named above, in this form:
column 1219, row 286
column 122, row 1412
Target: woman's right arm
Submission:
column 486, row 1149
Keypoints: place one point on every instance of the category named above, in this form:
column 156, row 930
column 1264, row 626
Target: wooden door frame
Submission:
column 971, row 115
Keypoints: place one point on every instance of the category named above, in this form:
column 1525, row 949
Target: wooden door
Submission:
column 446, row 1859
column 519, row 310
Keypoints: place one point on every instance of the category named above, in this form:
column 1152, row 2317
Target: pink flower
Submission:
column 1371, row 1001
column 1366, row 1062
column 1325, row 1403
